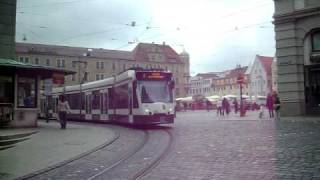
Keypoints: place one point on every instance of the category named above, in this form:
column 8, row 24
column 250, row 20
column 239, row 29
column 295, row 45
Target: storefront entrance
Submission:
column 6, row 99
column 312, row 89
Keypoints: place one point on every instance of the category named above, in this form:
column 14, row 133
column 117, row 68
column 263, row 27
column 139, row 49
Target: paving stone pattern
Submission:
column 210, row 147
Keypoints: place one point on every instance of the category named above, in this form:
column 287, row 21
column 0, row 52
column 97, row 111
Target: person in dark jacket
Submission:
column 277, row 106
column 269, row 104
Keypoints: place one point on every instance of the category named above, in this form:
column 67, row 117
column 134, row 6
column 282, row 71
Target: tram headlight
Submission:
column 170, row 109
column 147, row 111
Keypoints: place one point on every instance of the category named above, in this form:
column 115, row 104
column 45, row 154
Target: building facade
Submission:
column 201, row 84
column 297, row 27
column 219, row 83
column 274, row 76
column 7, row 28
column 261, row 76
column 95, row 64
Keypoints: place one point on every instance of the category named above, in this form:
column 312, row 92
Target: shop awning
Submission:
column 43, row 71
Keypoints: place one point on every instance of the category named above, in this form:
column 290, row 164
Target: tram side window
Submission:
column 104, row 102
column 135, row 98
column 111, row 99
column 74, row 101
column 95, row 100
column 121, row 96
column 27, row 92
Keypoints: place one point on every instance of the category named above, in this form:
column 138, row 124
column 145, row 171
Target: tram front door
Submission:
column 312, row 90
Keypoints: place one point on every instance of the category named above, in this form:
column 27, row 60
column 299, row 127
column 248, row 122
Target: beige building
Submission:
column 274, row 76
column 219, row 83
column 94, row 64
column 297, row 27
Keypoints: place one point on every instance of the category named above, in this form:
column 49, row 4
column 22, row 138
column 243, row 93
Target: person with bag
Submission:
column 63, row 109
column 277, row 105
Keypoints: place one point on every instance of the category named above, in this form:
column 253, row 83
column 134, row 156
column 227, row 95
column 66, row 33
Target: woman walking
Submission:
column 269, row 104
column 277, row 105
column 63, row 109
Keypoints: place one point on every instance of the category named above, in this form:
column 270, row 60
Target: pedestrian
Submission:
column 63, row 109
column 261, row 111
column 185, row 106
column 225, row 106
column 236, row 106
column 208, row 104
column 219, row 108
column 269, row 104
column 277, row 105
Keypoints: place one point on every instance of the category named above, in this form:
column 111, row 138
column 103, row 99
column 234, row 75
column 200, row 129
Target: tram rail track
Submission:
column 143, row 155
column 122, row 159
column 143, row 172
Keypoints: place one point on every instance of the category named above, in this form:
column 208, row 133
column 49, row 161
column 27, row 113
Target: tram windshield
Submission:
column 155, row 91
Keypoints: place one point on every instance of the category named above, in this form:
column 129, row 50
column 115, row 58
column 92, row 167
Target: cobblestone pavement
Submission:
column 211, row 147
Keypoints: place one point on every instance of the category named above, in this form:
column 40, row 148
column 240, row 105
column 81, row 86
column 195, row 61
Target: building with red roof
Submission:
column 260, row 74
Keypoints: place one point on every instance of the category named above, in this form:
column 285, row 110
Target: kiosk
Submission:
column 20, row 86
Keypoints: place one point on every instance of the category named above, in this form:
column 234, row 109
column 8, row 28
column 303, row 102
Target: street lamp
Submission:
column 81, row 79
column 240, row 81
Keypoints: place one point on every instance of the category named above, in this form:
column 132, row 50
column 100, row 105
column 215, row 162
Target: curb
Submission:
column 49, row 168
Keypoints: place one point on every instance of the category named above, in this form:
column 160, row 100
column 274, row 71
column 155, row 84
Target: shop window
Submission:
column 27, row 92
column 26, row 60
column 316, row 41
column 6, row 89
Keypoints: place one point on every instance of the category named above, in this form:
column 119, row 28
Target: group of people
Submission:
column 224, row 107
column 273, row 103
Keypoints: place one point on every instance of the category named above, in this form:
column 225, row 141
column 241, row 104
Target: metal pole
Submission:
column 241, row 102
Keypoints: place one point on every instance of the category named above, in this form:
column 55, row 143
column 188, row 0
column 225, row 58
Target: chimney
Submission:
column 164, row 43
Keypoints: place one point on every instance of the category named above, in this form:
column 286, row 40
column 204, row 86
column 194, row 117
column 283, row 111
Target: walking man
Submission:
column 63, row 109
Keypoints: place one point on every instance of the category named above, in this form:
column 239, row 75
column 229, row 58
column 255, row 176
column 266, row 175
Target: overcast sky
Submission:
column 217, row 34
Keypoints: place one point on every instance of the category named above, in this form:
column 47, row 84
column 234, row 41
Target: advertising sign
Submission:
column 57, row 78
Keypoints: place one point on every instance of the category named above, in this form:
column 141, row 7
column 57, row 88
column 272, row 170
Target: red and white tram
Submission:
column 136, row 96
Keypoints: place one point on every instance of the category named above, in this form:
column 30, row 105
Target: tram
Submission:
column 136, row 96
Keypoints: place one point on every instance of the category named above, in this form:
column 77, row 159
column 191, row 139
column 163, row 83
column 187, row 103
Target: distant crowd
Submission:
column 226, row 106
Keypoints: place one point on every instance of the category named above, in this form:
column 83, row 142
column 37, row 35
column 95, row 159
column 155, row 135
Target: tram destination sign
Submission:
column 158, row 76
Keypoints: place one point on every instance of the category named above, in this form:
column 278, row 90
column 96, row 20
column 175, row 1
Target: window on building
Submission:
column 26, row 60
column 99, row 65
column 113, row 66
column 85, row 77
column 36, row 61
column 74, row 64
column 316, row 41
column 21, row 59
column 48, row 62
column 73, row 77
column 99, row 76
column 58, row 63
column 27, row 92
column 124, row 66
column 63, row 63
column 177, row 92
